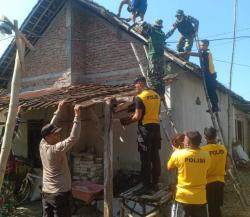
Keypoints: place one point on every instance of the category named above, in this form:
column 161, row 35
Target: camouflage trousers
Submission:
column 7, row 200
column 185, row 44
column 156, row 72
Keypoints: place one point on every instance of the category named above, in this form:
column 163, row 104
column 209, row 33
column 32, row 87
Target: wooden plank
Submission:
column 108, row 160
column 69, row 35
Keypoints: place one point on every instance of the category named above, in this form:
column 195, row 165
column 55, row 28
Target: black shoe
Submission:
column 208, row 110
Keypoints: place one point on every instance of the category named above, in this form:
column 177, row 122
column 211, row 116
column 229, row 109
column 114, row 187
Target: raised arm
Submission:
column 123, row 2
column 171, row 164
column 18, row 120
column 171, row 32
column 56, row 114
column 183, row 54
column 66, row 144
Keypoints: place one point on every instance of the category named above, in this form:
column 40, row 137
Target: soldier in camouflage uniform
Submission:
column 156, row 66
column 188, row 27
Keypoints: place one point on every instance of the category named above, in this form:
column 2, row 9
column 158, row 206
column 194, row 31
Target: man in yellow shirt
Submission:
column 210, row 75
column 147, row 103
column 216, row 172
column 192, row 164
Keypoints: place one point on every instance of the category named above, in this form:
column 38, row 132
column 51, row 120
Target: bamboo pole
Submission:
column 108, row 160
column 21, row 42
column 10, row 122
column 230, row 119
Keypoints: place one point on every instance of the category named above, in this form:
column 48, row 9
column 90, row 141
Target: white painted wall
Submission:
column 241, row 116
column 186, row 113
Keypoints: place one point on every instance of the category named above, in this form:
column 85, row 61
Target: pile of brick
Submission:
column 87, row 167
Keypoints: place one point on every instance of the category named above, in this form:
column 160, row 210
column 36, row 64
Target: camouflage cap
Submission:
column 179, row 13
column 158, row 23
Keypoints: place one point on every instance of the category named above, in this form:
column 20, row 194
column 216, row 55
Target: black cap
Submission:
column 140, row 79
column 49, row 129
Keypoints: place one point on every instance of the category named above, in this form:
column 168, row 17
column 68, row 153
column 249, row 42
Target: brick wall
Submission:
column 103, row 54
column 100, row 52
column 47, row 64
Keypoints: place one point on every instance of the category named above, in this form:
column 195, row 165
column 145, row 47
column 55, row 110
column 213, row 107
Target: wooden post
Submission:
column 21, row 43
column 10, row 122
column 69, row 35
column 108, row 160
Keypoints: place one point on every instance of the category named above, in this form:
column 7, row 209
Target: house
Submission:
column 80, row 47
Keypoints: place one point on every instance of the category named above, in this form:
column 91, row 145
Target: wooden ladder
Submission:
column 233, row 173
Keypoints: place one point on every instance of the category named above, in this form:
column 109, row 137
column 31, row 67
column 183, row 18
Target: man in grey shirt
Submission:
column 56, row 192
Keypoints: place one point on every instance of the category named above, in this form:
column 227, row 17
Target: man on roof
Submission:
column 188, row 28
column 138, row 8
column 156, row 62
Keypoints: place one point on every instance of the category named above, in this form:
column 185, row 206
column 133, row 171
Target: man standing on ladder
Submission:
column 156, row 65
column 138, row 8
column 188, row 27
column 147, row 111
column 207, row 66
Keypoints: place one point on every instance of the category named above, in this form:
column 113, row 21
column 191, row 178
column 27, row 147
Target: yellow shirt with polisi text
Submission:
column 218, row 154
column 149, row 101
column 192, row 165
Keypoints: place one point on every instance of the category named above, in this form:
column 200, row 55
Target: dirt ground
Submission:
column 232, row 205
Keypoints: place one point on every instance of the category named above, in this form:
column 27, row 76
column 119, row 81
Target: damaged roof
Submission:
column 39, row 20
column 34, row 25
column 85, row 95
column 44, row 12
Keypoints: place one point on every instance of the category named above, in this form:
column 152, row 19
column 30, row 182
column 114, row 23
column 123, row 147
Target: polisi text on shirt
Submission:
column 195, row 160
